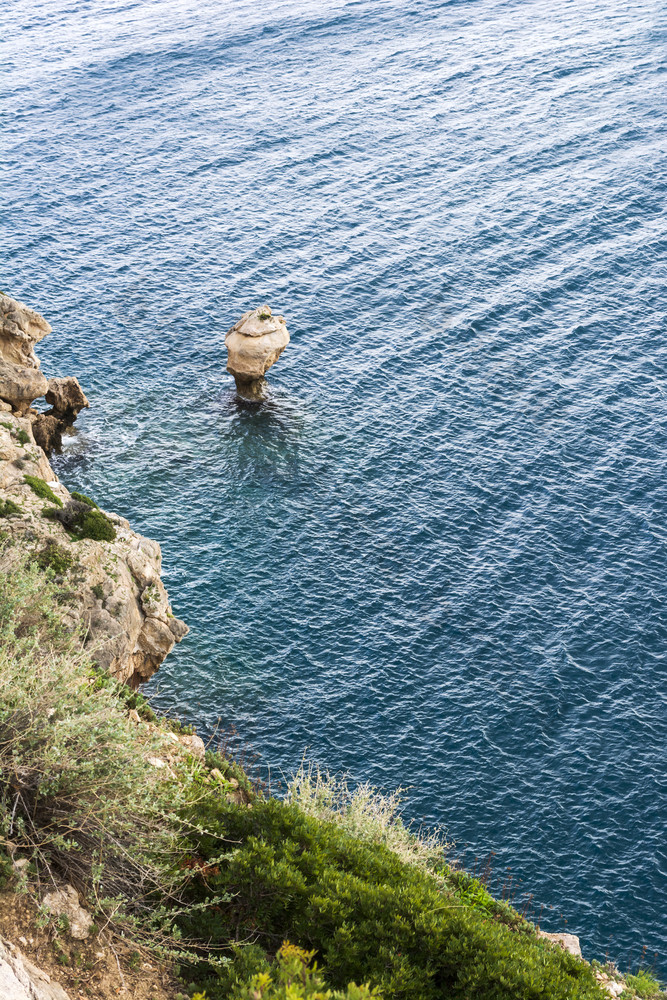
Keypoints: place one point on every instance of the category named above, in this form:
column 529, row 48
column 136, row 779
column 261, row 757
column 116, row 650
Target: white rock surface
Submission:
column 65, row 903
column 21, row 980
column 568, row 942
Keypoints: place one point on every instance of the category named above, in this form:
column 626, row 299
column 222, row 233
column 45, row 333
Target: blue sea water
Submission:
column 436, row 557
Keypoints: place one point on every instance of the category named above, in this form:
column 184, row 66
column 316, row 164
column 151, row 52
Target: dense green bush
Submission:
column 81, row 520
column 55, row 558
column 42, row 489
column 8, row 507
column 93, row 524
column 367, row 915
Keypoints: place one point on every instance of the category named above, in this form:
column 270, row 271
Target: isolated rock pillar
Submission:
column 253, row 345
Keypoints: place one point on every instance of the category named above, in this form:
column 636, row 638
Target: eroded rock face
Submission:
column 20, row 329
column 48, row 432
column 111, row 589
column 20, row 379
column 66, row 397
column 254, row 344
column 20, row 386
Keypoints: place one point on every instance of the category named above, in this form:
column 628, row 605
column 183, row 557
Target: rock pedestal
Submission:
column 254, row 344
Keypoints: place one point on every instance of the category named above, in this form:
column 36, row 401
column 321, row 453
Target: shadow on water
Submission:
column 278, row 413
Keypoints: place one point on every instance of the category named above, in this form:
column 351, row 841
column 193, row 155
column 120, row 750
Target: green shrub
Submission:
column 8, row 507
column 82, row 498
column 42, row 489
column 366, row 813
column 368, row 915
column 83, row 521
column 78, row 795
column 93, row 524
column 55, row 558
column 98, row 591
column 22, row 436
column 292, row 977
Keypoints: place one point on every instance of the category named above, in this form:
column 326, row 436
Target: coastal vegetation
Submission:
column 9, row 507
column 322, row 893
column 42, row 489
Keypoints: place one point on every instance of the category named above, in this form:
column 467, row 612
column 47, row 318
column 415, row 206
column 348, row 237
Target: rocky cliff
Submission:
column 109, row 575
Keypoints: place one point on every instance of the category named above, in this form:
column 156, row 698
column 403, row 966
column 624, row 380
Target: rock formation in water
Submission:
column 253, row 345
column 66, row 399
column 109, row 575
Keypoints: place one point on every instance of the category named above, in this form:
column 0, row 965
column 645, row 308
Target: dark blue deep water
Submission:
column 437, row 556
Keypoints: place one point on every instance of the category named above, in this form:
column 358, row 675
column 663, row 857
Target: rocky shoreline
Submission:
column 109, row 590
column 117, row 595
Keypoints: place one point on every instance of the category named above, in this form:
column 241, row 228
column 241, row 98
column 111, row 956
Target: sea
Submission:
column 435, row 557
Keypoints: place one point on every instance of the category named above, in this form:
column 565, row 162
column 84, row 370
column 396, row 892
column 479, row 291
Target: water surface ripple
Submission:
column 436, row 557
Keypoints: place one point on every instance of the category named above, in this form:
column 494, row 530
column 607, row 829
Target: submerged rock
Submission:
column 254, row 344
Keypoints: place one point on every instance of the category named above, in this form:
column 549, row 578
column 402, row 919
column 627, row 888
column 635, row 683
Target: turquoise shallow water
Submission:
column 436, row 556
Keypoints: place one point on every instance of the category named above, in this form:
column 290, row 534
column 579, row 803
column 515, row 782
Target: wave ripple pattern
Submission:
column 437, row 556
